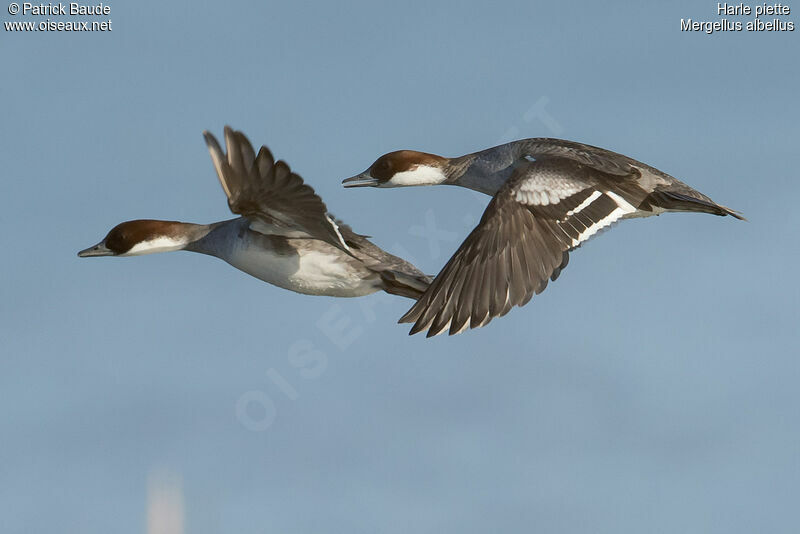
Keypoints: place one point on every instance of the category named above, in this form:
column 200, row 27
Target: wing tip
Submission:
column 409, row 317
column 735, row 214
column 210, row 139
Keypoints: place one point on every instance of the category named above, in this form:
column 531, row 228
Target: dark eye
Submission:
column 381, row 168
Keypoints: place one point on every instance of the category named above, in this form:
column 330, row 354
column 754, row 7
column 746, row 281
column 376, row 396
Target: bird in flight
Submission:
column 549, row 197
column 283, row 234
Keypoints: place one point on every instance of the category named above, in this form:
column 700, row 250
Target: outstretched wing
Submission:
column 268, row 192
column 547, row 208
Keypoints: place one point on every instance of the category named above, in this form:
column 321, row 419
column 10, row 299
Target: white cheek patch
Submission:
column 159, row 244
column 421, row 175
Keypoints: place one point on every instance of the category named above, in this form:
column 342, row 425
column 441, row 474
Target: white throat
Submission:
column 158, row 244
column 421, row 175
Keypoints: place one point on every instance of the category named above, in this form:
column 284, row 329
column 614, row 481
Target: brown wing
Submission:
column 267, row 191
column 544, row 210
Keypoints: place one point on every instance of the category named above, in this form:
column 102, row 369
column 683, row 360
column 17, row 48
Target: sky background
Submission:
column 653, row 388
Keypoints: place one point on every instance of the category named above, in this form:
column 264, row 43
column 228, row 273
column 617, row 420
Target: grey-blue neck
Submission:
column 488, row 183
column 484, row 171
column 219, row 238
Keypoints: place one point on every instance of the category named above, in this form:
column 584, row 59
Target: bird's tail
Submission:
column 680, row 201
column 406, row 285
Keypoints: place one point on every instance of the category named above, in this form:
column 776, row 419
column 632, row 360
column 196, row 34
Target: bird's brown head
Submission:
column 142, row 236
column 400, row 169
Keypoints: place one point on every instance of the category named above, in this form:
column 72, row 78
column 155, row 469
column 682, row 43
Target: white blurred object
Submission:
column 164, row 502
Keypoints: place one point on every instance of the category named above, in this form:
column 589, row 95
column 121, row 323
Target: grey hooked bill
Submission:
column 99, row 249
column 360, row 180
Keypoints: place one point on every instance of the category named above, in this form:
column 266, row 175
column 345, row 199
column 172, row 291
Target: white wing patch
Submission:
column 591, row 198
column 623, row 208
column 544, row 191
column 336, row 229
column 623, row 204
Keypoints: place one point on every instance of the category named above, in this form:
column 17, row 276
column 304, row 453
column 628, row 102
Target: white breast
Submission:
column 318, row 270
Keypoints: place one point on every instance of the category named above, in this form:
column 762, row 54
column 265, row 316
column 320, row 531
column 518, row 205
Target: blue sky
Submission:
column 652, row 388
